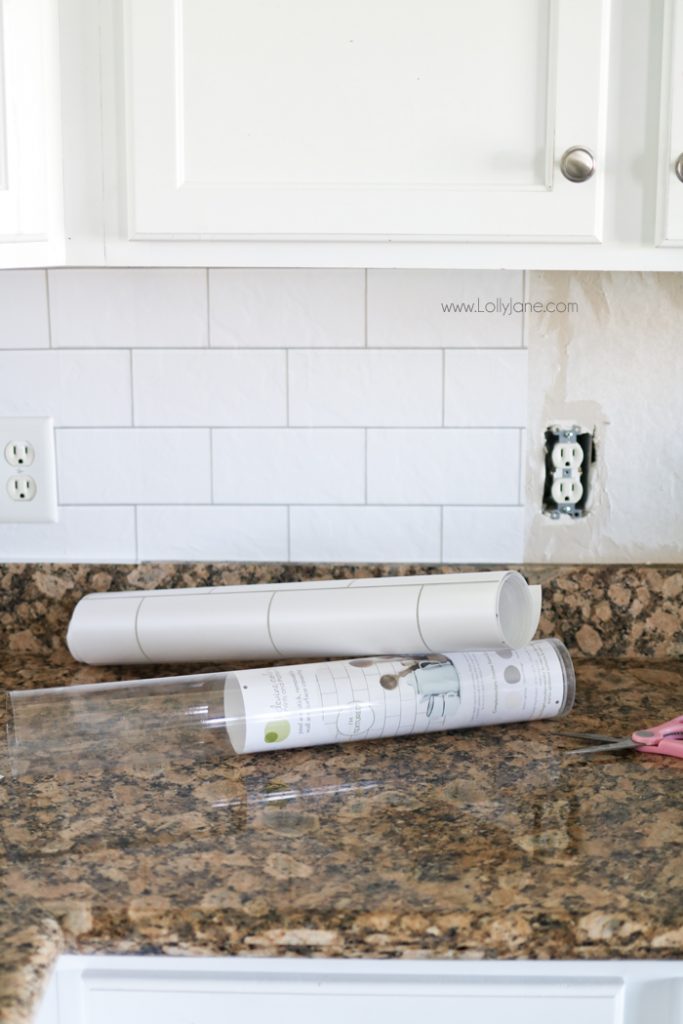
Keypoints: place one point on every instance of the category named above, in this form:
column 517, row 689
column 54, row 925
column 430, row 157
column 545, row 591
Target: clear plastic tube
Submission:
column 281, row 707
column 99, row 722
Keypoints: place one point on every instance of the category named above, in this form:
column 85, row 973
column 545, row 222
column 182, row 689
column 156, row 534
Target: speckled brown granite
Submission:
column 481, row 844
column 607, row 610
column 30, row 940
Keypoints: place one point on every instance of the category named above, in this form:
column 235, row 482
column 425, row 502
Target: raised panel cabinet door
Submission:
column 670, row 178
column 31, row 232
column 362, row 119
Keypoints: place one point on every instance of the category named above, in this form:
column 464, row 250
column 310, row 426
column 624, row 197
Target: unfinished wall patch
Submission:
column 616, row 364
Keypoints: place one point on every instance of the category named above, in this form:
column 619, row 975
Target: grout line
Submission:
column 443, row 387
column 208, row 310
column 441, row 534
column 132, row 388
column 169, row 349
column 136, row 533
column 292, row 504
column 289, row 534
column 365, row 458
column 319, row 426
column 287, row 420
column 365, row 308
column 211, row 464
column 322, row 559
column 520, row 467
column 59, row 558
column 49, row 310
column 93, row 506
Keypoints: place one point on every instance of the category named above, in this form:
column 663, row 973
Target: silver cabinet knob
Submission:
column 577, row 164
column 678, row 167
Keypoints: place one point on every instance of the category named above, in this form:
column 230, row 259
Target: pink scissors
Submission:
column 666, row 739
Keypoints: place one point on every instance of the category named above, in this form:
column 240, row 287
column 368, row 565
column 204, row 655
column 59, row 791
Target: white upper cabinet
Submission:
column 356, row 133
column 670, row 209
column 363, row 119
column 31, row 229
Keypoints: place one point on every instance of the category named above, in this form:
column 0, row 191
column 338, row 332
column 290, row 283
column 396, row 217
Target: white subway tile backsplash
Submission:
column 131, row 466
column 289, row 466
column 468, row 467
column 266, row 414
column 287, row 308
column 77, row 388
column 483, row 535
column 121, row 308
column 365, row 534
column 414, row 308
column 81, row 535
column 486, row 389
column 363, row 388
column 215, row 533
column 23, row 309
column 210, row 388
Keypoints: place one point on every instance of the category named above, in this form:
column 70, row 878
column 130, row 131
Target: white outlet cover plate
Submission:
column 39, row 432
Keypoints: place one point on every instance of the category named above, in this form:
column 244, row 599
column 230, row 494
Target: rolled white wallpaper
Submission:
column 326, row 618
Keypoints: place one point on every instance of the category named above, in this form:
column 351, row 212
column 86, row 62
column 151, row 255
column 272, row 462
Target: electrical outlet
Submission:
column 28, row 487
column 19, row 453
column 22, row 488
column 569, row 453
column 566, row 491
column 566, row 455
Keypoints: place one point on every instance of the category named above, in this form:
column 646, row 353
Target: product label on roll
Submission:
column 371, row 698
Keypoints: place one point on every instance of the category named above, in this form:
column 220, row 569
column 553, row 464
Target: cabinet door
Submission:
column 670, row 186
column 355, row 120
column 30, row 181
column 162, row 990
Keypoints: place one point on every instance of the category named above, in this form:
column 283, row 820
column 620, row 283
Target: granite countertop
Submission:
column 480, row 844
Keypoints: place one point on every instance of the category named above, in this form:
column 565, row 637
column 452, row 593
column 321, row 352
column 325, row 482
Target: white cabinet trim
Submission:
column 31, row 224
column 670, row 189
column 102, row 989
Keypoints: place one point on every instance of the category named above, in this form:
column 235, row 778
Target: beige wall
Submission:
column 615, row 366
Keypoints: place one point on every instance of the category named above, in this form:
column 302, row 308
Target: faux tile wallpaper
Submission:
column 344, row 415
column 322, row 415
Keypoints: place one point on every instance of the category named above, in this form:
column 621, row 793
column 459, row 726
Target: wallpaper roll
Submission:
column 326, row 618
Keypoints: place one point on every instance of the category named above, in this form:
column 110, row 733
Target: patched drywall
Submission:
column 613, row 364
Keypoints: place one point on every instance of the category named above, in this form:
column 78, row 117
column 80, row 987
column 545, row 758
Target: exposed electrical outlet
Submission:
column 566, row 491
column 569, row 454
column 566, row 455
column 28, row 488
